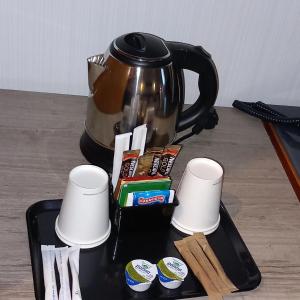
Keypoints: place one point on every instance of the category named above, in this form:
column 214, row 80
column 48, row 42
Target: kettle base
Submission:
column 96, row 154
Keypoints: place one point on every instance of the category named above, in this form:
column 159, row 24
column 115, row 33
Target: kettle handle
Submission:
column 195, row 58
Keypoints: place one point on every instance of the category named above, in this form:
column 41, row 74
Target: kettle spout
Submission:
column 95, row 68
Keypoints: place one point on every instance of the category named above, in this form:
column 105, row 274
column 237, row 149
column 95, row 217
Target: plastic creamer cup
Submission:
column 139, row 274
column 171, row 272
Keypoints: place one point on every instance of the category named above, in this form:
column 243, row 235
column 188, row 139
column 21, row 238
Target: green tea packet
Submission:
column 139, row 185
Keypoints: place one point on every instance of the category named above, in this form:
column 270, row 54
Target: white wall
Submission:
column 255, row 43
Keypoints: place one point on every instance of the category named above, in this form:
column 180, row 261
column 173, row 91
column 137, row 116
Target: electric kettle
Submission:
column 139, row 80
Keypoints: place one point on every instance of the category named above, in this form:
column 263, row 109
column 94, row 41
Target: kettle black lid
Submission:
column 141, row 49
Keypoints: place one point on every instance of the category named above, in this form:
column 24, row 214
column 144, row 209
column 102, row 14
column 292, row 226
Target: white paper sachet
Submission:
column 62, row 255
column 74, row 265
column 48, row 258
column 122, row 142
column 139, row 138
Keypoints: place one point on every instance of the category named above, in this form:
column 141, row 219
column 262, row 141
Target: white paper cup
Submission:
column 84, row 216
column 199, row 195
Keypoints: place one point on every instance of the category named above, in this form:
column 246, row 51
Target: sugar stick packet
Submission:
column 122, row 142
column 48, row 258
column 74, row 266
column 62, row 255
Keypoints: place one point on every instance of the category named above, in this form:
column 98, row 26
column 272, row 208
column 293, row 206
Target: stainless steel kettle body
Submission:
column 139, row 80
column 124, row 96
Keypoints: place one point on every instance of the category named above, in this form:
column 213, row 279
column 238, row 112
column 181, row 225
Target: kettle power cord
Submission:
column 208, row 121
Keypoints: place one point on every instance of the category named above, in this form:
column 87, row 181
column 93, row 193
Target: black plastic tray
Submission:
column 102, row 268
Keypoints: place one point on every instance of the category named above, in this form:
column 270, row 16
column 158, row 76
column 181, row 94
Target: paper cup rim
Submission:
column 188, row 230
column 95, row 189
column 82, row 245
column 212, row 162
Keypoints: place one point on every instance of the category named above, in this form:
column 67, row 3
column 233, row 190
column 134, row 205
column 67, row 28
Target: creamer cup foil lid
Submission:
column 173, row 268
column 141, row 270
